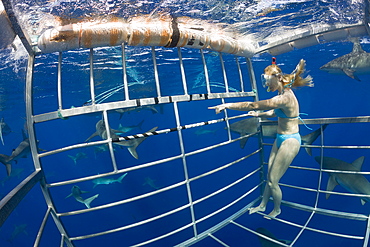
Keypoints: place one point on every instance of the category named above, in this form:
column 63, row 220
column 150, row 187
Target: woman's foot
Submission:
column 257, row 209
column 273, row 214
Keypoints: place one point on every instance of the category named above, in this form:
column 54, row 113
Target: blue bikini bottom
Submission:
column 281, row 138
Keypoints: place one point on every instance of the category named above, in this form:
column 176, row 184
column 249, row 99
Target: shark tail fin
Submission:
column 121, row 177
column 5, row 160
column 89, row 200
column 73, row 158
column 310, row 138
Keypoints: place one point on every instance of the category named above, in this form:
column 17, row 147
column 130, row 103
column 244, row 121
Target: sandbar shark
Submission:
column 77, row 192
column 354, row 183
column 249, row 126
column 130, row 144
column 21, row 151
column 355, row 62
column 98, row 181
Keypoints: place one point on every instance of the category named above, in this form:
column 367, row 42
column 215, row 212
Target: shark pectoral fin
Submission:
column 331, row 185
column 363, row 201
column 8, row 169
column 133, row 152
column 92, row 136
column 311, row 137
column 121, row 177
column 358, row 163
column 243, row 142
column 89, row 200
column 68, row 196
column 349, row 72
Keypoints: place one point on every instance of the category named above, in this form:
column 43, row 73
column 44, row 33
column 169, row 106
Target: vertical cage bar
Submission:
column 183, row 77
column 188, row 188
column 109, row 137
column 124, row 68
column 224, row 72
column 42, row 227
column 33, row 144
column 321, row 164
column 60, row 81
column 92, row 85
column 252, row 78
column 366, row 239
column 206, row 76
column 156, row 77
column 240, row 74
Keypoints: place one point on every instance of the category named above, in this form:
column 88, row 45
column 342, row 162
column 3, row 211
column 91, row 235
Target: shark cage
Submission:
column 181, row 183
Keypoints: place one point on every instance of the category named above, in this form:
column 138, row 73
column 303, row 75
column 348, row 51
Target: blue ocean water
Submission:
column 332, row 96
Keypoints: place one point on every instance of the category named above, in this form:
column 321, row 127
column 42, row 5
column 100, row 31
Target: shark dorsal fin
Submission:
column 357, row 47
column 358, row 163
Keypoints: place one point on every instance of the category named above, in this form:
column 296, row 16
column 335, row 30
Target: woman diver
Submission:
column 285, row 106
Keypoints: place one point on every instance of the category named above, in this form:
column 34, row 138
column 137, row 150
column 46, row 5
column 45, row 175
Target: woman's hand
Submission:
column 252, row 114
column 220, row 108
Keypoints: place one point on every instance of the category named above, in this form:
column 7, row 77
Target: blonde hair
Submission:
column 293, row 79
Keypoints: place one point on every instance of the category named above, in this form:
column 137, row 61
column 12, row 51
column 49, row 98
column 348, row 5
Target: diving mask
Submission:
column 267, row 78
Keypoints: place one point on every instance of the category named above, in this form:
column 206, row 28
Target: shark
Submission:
column 16, row 172
column 204, row 131
column 77, row 192
column 98, row 181
column 18, row 229
column 267, row 243
column 131, row 145
column 137, row 109
column 78, row 156
column 354, row 183
column 4, row 130
column 351, row 64
column 21, row 151
column 249, row 126
column 151, row 183
column 125, row 129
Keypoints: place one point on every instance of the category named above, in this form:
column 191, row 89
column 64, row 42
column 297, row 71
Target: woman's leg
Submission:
column 267, row 191
column 284, row 157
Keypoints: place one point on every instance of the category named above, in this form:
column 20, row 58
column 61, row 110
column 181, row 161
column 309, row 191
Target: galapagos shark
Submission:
column 21, row 151
column 354, row 183
column 77, row 192
column 355, row 62
column 98, row 181
column 249, row 126
column 130, row 144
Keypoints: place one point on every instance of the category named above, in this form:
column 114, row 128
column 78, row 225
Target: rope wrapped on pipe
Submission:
column 164, row 31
